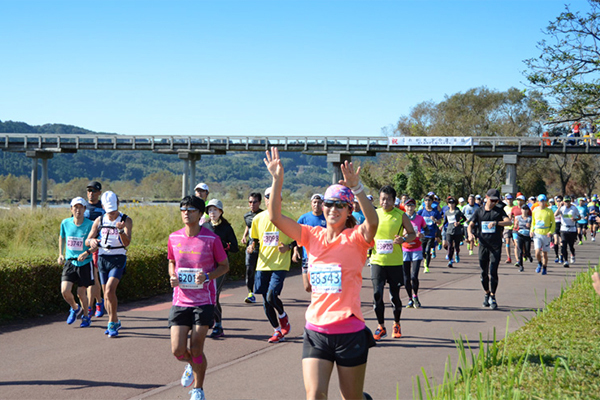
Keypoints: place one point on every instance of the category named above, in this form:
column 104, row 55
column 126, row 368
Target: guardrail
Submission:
column 57, row 143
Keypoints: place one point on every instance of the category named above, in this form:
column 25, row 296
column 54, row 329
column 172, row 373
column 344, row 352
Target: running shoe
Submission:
column 116, row 327
column 561, row 260
column 470, row 252
column 447, row 257
column 530, row 259
column 277, row 337
column 425, row 267
column 410, row 304
column 100, row 310
column 188, row 376
column 508, row 260
column 557, row 261
column 493, row 304
column 89, row 312
column 113, row 331
column 521, row 268
column 432, row 253
column 74, row 314
column 85, row 322
column 477, row 243
column 486, row 300
column 566, row 265
column 544, row 272
column 250, row 298
column 539, row 268
column 416, row 302
column 457, row 258
column 217, row 332
column 518, row 264
column 580, row 243
column 593, row 239
column 572, row 259
column 397, row 333
column 461, row 243
column 197, row 394
column 367, row 396
column 439, row 246
column 379, row 334
column 285, row 325
column 450, row 265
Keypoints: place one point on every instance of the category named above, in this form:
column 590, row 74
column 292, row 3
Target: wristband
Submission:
column 206, row 276
column 358, row 188
column 121, row 231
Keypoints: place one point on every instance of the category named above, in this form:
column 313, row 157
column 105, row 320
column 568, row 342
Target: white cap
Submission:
column 268, row 191
column 109, row 201
column 397, row 202
column 202, row 186
column 78, row 200
column 461, row 199
column 317, row 196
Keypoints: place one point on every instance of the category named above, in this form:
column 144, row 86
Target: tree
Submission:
column 567, row 71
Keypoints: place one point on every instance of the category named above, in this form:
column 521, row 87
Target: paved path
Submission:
column 46, row 359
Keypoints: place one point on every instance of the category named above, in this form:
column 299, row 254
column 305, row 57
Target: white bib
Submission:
column 325, row 278
column 485, row 227
column 270, row 239
column 384, row 246
column 75, row 243
column 187, row 278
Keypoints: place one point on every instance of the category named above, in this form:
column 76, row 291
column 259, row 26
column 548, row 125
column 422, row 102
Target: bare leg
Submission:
column 352, row 381
column 82, row 294
column 316, row 373
column 110, row 298
column 197, row 350
column 67, row 294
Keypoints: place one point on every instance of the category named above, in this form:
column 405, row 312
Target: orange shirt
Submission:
column 348, row 253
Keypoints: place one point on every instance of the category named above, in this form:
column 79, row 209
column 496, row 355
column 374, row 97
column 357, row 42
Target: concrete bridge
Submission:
column 337, row 149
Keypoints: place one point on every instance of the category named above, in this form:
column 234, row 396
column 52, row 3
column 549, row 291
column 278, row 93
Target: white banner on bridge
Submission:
column 430, row 141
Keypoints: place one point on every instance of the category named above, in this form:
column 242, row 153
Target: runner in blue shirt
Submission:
column 357, row 213
column 432, row 217
column 582, row 223
column 594, row 211
column 313, row 218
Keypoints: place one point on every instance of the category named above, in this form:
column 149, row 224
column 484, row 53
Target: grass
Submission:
column 26, row 233
column 556, row 355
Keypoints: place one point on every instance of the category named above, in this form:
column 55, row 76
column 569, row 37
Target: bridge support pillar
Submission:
column 510, row 186
column 188, row 180
column 35, row 156
column 336, row 159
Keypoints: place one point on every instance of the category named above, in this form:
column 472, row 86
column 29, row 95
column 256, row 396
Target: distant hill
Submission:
column 231, row 169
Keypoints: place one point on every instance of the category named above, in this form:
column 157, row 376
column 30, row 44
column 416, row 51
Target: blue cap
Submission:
column 542, row 197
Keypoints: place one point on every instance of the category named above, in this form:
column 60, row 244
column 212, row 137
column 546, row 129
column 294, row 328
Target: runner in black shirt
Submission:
column 490, row 219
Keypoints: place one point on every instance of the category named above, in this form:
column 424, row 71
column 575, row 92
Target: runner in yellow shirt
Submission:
column 542, row 229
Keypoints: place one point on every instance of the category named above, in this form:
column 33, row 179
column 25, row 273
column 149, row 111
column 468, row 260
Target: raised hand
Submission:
column 273, row 163
column 351, row 177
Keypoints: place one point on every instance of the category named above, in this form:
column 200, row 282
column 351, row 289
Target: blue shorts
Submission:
column 111, row 267
column 269, row 281
column 412, row 255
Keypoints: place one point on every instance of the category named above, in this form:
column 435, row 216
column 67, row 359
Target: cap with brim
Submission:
column 410, row 202
column 109, row 201
column 567, row 198
column 509, row 196
column 397, row 202
column 542, row 197
column 268, row 192
column 521, row 197
column 316, row 196
column 493, row 194
column 78, row 200
column 95, row 185
column 477, row 196
column 216, row 203
column 461, row 200
column 202, row 186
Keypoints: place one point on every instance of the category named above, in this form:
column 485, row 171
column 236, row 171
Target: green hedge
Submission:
column 31, row 286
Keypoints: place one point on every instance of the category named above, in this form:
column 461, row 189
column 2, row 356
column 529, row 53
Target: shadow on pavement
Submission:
column 76, row 384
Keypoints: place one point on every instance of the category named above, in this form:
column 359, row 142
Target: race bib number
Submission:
column 451, row 219
column 271, row 239
column 540, row 225
column 325, row 278
column 187, row 278
column 75, row 243
column 384, row 246
column 428, row 221
column 485, row 227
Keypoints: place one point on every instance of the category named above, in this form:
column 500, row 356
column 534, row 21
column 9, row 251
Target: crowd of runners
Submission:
column 344, row 230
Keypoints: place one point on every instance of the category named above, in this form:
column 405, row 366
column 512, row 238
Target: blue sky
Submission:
column 317, row 68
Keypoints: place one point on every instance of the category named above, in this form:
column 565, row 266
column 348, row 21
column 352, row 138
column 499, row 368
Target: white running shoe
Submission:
column 197, row 394
column 188, row 378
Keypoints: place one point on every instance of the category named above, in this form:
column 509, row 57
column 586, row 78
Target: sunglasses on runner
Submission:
column 267, row 196
column 184, row 209
column 337, row 203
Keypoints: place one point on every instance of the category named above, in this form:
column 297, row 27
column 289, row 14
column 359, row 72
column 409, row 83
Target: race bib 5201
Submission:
column 187, row 278
column 325, row 278
column 270, row 239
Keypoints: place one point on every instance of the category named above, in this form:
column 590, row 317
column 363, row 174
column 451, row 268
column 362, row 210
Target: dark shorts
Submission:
column 507, row 234
column 81, row 276
column 189, row 316
column 582, row 225
column 111, row 267
column 269, row 281
column 392, row 275
column 346, row 350
column 557, row 228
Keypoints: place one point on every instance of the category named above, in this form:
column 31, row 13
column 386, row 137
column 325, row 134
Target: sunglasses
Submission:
column 267, row 196
column 184, row 209
column 338, row 204
column 92, row 190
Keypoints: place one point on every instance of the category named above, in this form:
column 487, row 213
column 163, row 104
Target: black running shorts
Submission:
column 346, row 349
column 189, row 316
column 81, row 276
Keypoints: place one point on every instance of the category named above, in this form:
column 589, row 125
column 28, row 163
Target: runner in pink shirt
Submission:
column 335, row 331
column 196, row 258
